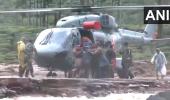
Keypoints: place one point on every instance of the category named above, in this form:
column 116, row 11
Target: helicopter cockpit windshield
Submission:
column 51, row 36
column 60, row 37
column 46, row 39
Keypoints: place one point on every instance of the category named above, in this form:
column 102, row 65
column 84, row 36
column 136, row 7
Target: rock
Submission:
column 160, row 96
column 5, row 92
column 10, row 93
column 155, row 97
column 75, row 87
column 165, row 95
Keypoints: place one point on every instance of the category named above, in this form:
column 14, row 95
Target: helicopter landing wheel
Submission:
column 54, row 74
column 51, row 74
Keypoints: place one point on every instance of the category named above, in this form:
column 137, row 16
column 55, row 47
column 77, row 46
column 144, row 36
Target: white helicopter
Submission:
column 54, row 46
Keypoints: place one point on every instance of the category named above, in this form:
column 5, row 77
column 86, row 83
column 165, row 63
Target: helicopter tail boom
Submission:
column 151, row 31
column 138, row 38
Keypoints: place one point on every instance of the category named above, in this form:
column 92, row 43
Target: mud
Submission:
column 71, row 87
column 160, row 96
column 144, row 82
column 141, row 69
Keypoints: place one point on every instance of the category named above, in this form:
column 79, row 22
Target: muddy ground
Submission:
column 144, row 82
column 141, row 69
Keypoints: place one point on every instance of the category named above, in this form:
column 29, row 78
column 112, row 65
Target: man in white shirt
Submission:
column 159, row 61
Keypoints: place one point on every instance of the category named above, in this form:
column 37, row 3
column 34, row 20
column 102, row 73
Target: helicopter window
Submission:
column 55, row 36
column 82, row 20
column 46, row 39
column 63, row 20
column 105, row 19
column 60, row 35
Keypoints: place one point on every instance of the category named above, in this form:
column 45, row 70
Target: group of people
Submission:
column 89, row 59
column 98, row 60
column 94, row 60
column 25, row 56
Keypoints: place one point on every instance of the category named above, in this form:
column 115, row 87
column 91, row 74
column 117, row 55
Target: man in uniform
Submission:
column 100, row 62
column 77, row 51
column 96, row 53
column 111, row 56
column 86, row 44
column 29, row 48
column 126, row 62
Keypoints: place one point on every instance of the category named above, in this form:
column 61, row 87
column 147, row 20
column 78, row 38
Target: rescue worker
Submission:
column 96, row 52
column 21, row 55
column 29, row 48
column 159, row 61
column 103, row 63
column 126, row 62
column 77, row 51
column 111, row 56
column 86, row 45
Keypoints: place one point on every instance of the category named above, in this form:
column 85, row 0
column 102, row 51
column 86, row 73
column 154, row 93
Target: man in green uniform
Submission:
column 29, row 48
column 126, row 62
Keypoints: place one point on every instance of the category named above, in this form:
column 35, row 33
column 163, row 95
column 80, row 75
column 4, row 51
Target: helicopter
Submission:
column 53, row 46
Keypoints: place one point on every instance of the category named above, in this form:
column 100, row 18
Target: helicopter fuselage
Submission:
column 54, row 46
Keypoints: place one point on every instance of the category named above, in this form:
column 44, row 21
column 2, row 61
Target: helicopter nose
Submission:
column 50, row 50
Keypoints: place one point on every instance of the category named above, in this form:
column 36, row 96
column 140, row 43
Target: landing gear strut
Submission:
column 51, row 73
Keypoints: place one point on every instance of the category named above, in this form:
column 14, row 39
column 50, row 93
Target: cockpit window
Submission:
column 55, row 36
column 46, row 39
column 60, row 36
column 63, row 20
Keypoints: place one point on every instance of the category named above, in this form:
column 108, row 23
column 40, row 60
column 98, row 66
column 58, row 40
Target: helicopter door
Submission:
column 86, row 33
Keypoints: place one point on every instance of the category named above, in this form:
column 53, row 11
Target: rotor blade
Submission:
column 140, row 7
column 120, row 7
column 36, row 10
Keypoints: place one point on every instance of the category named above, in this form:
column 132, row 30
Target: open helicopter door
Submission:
column 86, row 33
